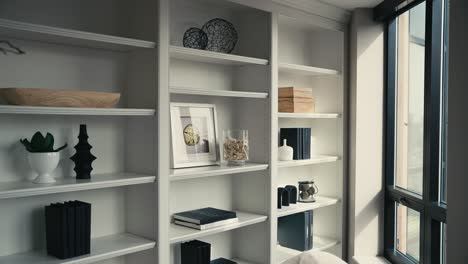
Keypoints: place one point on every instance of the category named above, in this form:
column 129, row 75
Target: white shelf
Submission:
column 309, row 115
column 212, row 92
column 209, row 171
column 305, row 70
column 37, row 32
column 98, row 181
column 319, row 244
column 101, row 249
column 213, row 57
column 39, row 110
column 302, row 207
column 313, row 160
column 179, row 234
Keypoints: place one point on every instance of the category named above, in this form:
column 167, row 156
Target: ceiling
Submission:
column 352, row 4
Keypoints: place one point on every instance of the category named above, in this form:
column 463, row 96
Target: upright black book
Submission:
column 195, row 252
column 68, row 229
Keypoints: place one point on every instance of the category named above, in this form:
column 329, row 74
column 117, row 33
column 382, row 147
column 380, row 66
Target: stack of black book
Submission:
column 205, row 218
column 68, row 229
column 299, row 140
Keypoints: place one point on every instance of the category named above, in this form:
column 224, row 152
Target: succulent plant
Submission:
column 41, row 144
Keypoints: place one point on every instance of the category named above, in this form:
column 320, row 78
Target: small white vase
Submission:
column 44, row 164
column 285, row 152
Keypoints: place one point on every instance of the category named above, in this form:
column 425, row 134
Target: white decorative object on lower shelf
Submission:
column 319, row 243
column 209, row 171
column 102, row 248
column 44, row 164
column 97, row 181
column 320, row 202
column 179, row 234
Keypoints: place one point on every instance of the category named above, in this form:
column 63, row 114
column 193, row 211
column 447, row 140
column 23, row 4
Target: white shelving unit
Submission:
column 135, row 48
column 102, row 248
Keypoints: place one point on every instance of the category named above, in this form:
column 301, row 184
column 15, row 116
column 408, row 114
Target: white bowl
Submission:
column 44, row 164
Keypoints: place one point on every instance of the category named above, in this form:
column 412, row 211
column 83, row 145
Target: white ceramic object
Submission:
column 44, row 164
column 285, row 152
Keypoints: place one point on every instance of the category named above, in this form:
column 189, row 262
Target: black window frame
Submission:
column 432, row 212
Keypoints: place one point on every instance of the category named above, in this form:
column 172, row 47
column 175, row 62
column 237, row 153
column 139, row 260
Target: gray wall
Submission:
column 457, row 158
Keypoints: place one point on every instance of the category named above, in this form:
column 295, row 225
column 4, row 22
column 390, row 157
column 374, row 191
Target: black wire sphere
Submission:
column 222, row 36
column 195, row 38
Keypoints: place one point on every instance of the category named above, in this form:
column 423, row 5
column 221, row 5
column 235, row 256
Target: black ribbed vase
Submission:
column 83, row 157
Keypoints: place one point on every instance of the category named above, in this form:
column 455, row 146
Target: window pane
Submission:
column 444, row 123
column 407, row 235
column 410, row 99
column 443, row 242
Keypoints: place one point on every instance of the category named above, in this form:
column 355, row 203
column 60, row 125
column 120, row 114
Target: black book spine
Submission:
column 48, row 220
column 80, row 224
column 63, row 231
column 87, row 228
column 71, row 227
column 55, row 229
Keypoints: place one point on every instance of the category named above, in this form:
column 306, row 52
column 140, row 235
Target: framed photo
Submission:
column 194, row 135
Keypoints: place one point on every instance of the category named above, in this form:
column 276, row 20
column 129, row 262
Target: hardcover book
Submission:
column 223, row 261
column 295, row 231
column 205, row 215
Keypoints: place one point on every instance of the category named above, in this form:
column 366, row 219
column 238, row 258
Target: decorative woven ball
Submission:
column 222, row 36
column 195, row 38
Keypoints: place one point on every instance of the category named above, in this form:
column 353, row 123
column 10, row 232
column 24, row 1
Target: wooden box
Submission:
column 295, row 100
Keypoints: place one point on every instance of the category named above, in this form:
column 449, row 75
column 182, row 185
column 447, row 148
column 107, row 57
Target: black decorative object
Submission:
column 195, row 252
column 195, row 38
column 223, row 261
column 68, row 229
column 222, row 36
column 83, row 157
column 283, row 197
column 292, row 193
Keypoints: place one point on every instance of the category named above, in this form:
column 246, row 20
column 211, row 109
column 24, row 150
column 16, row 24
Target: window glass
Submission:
column 408, row 231
column 410, row 99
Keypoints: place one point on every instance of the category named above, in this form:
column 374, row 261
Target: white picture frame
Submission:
column 194, row 135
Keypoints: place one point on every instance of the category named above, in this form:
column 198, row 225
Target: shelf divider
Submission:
column 309, row 115
column 212, row 92
column 77, row 111
column 180, row 234
column 319, row 244
column 302, row 207
column 313, row 160
column 305, row 70
column 43, row 33
column 213, row 57
column 98, row 181
column 209, row 171
column 102, row 248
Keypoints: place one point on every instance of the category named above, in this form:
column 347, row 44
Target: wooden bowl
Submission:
column 58, row 98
